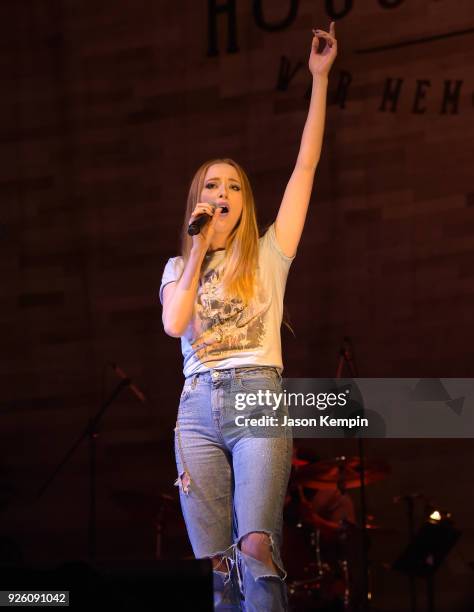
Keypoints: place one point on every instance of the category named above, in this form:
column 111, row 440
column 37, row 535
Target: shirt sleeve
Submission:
column 270, row 234
column 171, row 274
column 274, row 257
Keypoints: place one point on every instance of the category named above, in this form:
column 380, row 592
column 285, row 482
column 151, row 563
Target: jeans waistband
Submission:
column 228, row 373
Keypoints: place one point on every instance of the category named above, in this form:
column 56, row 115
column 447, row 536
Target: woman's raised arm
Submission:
column 292, row 213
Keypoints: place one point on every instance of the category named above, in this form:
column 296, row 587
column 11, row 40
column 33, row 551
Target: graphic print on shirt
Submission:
column 223, row 325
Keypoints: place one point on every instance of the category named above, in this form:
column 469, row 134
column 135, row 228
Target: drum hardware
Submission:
column 345, row 569
column 322, row 580
column 338, row 474
column 347, row 358
column 328, row 582
column 316, row 542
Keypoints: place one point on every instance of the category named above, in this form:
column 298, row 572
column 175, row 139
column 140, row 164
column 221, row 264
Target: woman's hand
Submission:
column 320, row 63
column 202, row 241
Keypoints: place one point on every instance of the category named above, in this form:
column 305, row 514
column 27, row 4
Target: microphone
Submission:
column 121, row 374
column 196, row 226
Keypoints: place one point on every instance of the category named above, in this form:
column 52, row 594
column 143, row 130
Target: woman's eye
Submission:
column 213, row 185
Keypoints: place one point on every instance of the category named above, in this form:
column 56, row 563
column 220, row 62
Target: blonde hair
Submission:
column 241, row 255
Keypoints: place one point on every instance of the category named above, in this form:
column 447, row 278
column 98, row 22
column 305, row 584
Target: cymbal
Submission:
column 382, row 530
column 296, row 462
column 377, row 528
column 344, row 471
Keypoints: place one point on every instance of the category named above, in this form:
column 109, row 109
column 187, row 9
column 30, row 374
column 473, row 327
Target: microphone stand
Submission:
column 91, row 432
column 346, row 357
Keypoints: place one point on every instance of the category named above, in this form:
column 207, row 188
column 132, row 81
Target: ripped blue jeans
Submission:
column 233, row 480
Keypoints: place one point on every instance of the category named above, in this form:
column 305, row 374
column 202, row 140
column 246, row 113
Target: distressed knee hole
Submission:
column 259, row 546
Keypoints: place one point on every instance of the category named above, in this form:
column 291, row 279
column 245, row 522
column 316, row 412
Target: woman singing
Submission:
column 224, row 298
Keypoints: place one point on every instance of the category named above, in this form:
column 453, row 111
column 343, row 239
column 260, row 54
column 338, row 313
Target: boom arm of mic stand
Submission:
column 89, row 431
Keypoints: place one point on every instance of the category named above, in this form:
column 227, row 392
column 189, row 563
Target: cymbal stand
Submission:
column 316, row 544
column 346, row 357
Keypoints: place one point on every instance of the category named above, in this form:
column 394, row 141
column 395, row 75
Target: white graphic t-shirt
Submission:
column 222, row 332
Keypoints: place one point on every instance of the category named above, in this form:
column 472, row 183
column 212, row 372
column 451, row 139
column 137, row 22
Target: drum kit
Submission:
column 324, row 547
column 322, row 544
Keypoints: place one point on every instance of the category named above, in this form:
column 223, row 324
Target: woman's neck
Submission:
column 210, row 250
column 218, row 242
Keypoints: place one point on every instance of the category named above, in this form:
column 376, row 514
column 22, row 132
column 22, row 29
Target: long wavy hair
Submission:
column 241, row 247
